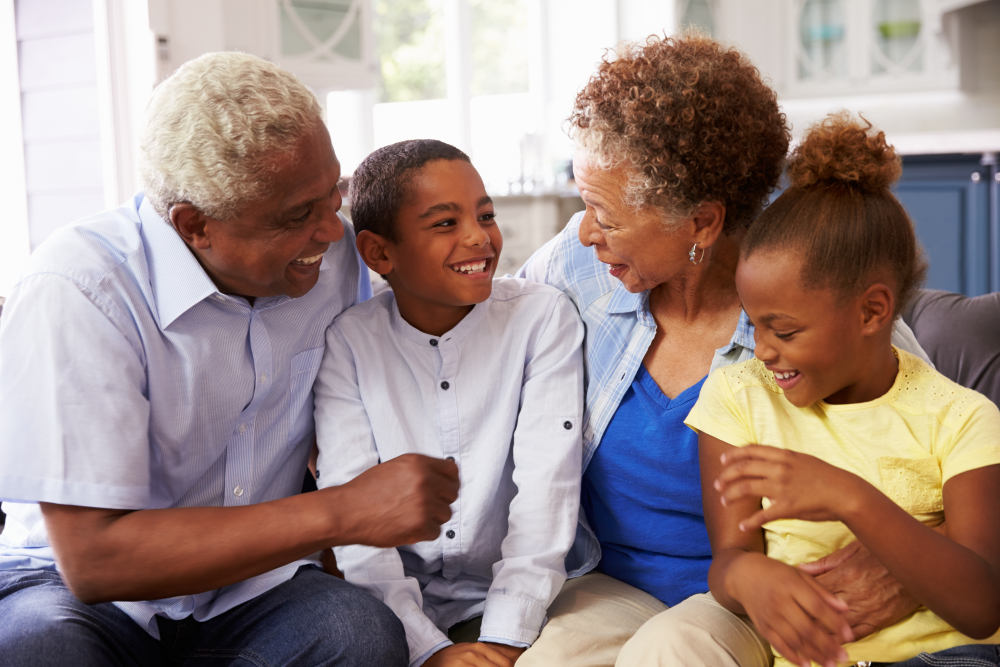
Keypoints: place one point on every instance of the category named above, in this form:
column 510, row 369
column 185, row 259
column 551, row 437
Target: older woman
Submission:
column 680, row 143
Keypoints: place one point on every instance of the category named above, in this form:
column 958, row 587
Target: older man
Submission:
column 156, row 405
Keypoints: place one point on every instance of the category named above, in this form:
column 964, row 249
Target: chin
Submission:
column 297, row 291
column 800, row 400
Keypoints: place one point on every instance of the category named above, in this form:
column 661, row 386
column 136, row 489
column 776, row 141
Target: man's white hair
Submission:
column 214, row 128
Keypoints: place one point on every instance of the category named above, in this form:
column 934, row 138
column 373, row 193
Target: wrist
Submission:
column 857, row 501
column 336, row 525
column 743, row 568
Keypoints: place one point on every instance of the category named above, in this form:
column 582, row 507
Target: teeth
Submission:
column 786, row 376
column 473, row 267
column 306, row 261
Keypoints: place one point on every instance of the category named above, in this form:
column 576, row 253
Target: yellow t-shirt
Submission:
column 908, row 443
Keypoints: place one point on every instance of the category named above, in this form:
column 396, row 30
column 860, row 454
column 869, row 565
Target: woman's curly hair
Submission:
column 691, row 120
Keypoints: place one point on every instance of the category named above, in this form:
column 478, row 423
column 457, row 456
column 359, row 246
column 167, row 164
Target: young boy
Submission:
column 453, row 364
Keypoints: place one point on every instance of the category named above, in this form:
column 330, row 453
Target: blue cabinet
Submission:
column 952, row 200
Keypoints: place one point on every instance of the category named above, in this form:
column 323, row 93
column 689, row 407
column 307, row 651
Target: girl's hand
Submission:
column 803, row 621
column 799, row 486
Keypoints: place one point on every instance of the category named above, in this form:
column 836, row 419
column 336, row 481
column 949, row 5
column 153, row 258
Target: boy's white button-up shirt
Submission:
column 501, row 394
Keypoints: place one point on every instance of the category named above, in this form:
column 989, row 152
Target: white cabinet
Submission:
column 326, row 43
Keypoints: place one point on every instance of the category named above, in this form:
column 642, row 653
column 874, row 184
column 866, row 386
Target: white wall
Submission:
column 14, row 241
column 60, row 101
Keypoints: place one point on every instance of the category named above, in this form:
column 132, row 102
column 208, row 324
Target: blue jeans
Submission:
column 973, row 655
column 312, row 619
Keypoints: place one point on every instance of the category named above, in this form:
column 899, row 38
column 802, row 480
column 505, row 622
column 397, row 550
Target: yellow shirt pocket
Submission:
column 913, row 484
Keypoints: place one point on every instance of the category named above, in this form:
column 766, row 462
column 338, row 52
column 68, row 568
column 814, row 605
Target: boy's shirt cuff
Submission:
column 422, row 659
column 508, row 642
column 511, row 620
column 422, row 636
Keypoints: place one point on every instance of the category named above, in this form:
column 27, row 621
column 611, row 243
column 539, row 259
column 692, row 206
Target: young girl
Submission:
column 833, row 435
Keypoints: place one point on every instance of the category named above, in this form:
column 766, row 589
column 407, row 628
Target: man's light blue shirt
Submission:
column 128, row 381
column 620, row 329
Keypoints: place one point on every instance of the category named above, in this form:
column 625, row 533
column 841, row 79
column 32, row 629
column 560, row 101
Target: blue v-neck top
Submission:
column 642, row 494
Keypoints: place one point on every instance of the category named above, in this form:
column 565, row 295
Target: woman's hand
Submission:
column 476, row 654
column 799, row 486
column 875, row 598
column 802, row 620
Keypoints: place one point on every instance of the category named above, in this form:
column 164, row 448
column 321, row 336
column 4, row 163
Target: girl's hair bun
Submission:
column 840, row 151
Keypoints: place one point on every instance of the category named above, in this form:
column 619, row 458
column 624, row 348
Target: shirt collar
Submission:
column 462, row 329
column 743, row 336
column 177, row 279
column 623, row 301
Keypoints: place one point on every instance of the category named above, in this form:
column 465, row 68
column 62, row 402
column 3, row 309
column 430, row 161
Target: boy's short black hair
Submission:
column 379, row 186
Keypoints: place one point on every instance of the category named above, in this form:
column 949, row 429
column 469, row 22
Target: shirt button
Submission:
column 243, row 428
column 450, row 534
column 317, row 473
column 263, row 378
column 434, row 342
column 238, row 491
column 445, row 385
column 567, row 425
column 450, row 458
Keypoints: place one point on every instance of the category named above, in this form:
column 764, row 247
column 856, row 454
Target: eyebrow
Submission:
column 452, row 206
column 770, row 317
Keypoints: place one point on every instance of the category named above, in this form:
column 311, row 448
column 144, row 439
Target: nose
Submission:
column 590, row 233
column 475, row 235
column 330, row 228
column 762, row 350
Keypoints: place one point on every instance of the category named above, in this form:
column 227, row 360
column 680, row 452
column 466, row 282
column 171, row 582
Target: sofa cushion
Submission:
column 961, row 335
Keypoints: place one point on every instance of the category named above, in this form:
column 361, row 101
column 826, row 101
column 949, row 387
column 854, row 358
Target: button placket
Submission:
column 450, row 442
column 239, row 490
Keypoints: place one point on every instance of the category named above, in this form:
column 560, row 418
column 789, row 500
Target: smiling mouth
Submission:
column 306, row 261
column 785, row 376
column 469, row 268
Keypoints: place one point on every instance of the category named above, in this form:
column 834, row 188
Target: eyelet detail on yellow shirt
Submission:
column 913, row 484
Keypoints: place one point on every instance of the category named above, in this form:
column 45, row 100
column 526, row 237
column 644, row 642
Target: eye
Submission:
column 784, row 335
column 601, row 225
column 450, row 222
column 296, row 222
column 488, row 217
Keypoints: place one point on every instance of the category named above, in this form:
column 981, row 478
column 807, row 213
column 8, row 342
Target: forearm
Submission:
column 152, row 554
column 963, row 589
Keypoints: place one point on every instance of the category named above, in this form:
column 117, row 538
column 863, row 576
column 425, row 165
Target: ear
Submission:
column 372, row 249
column 191, row 224
column 878, row 305
column 708, row 219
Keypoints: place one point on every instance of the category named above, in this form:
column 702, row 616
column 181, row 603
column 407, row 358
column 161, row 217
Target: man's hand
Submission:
column 107, row 555
column 875, row 599
column 478, row 654
column 402, row 501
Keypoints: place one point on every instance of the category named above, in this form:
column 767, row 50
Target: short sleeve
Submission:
column 717, row 412
column 975, row 442
column 74, row 417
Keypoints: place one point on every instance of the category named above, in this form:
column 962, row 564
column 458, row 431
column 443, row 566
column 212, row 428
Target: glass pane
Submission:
column 321, row 18
column 822, row 34
column 897, row 35
column 409, row 43
column 499, row 46
column 698, row 14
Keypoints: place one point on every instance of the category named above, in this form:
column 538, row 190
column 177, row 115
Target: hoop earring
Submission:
column 691, row 254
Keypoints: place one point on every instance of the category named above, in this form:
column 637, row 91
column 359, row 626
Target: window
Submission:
column 698, row 14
